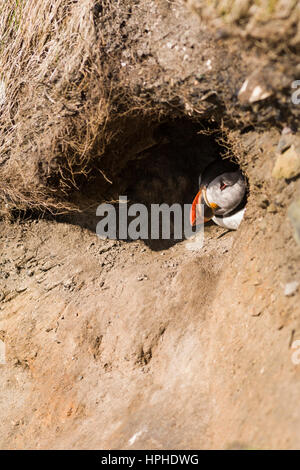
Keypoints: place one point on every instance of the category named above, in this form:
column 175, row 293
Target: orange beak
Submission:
column 196, row 217
column 193, row 212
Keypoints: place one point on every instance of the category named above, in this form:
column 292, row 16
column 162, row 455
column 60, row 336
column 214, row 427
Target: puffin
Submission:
column 223, row 195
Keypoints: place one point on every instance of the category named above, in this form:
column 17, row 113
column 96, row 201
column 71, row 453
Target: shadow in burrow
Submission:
column 166, row 173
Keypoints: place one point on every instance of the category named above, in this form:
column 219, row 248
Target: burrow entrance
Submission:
column 165, row 173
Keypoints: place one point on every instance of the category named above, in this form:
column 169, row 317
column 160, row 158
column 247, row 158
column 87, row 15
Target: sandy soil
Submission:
column 113, row 344
column 126, row 344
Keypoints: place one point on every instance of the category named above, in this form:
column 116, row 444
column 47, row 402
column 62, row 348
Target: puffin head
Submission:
column 200, row 214
column 221, row 196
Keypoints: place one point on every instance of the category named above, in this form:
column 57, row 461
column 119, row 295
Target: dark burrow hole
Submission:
column 167, row 173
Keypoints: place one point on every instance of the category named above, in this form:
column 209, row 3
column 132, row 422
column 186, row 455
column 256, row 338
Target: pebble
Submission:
column 290, row 288
column 285, row 142
column 254, row 89
column 21, row 289
column 107, row 247
column 272, row 208
column 294, row 217
column 287, row 164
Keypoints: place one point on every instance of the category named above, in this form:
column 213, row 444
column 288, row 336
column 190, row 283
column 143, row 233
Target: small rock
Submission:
column 287, row 164
column 239, row 10
column 21, row 289
column 15, row 423
column 47, row 266
column 142, row 277
column 222, row 33
column 272, row 208
column 279, row 199
column 286, row 130
column 254, row 89
column 294, row 217
column 68, row 283
column 285, row 142
column 107, row 247
column 290, row 288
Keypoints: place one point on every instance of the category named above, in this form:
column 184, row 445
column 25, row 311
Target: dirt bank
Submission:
column 132, row 344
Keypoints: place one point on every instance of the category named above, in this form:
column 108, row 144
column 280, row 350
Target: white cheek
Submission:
column 227, row 199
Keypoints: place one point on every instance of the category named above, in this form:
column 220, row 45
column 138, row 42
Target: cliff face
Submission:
column 147, row 344
column 97, row 79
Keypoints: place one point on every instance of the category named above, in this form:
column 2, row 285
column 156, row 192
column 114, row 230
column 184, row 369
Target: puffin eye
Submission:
column 223, row 185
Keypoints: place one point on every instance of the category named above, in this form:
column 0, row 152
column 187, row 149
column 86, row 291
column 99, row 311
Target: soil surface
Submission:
column 117, row 344
column 123, row 344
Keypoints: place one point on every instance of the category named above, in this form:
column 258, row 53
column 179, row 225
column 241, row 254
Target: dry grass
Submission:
column 53, row 101
column 64, row 101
